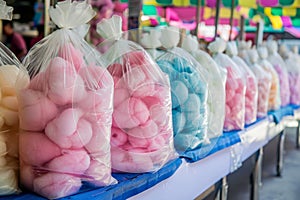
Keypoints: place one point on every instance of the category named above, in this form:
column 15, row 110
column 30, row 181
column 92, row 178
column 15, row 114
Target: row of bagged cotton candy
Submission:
column 251, row 94
column 65, row 112
column 215, row 78
column 264, row 79
column 235, row 87
column 292, row 61
column 142, row 133
column 274, row 101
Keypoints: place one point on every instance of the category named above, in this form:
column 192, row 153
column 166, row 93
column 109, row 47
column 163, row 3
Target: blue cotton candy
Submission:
column 179, row 120
column 184, row 142
column 179, row 93
column 167, row 67
column 191, row 104
column 195, row 120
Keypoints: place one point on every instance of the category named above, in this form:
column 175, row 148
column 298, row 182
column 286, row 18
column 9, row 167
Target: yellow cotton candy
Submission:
column 2, row 148
column 10, row 102
column 1, row 122
column 13, row 144
column 8, row 91
column 11, row 118
column 8, row 182
column 2, row 161
column 8, row 75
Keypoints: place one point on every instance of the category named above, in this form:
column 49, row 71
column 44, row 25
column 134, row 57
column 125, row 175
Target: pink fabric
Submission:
column 268, row 3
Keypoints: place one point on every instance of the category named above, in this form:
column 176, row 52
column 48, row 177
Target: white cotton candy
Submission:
column 8, row 182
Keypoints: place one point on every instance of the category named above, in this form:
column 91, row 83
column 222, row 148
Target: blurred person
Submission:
column 40, row 29
column 14, row 41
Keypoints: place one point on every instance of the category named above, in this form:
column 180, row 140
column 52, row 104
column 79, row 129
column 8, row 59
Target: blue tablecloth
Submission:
column 280, row 113
column 129, row 185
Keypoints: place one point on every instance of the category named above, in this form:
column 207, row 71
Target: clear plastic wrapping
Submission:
column 215, row 77
column 292, row 61
column 274, row 97
column 9, row 121
column 251, row 83
column 65, row 111
column 264, row 79
column 142, row 133
column 235, row 87
column 150, row 41
column 279, row 65
column 189, row 93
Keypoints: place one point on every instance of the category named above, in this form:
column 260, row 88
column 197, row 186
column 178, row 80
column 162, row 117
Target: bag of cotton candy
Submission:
column 9, row 120
column 188, row 90
column 235, row 87
column 66, row 110
column 142, row 120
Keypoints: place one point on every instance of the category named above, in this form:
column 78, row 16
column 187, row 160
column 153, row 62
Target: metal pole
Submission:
column 217, row 17
column 242, row 28
column 259, row 33
column 47, row 18
column 231, row 18
column 197, row 17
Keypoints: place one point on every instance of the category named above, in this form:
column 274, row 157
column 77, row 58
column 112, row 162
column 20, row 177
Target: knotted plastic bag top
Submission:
column 66, row 110
column 251, row 83
column 150, row 41
column 188, row 90
column 142, row 120
column 6, row 12
column 235, row 87
column 215, row 78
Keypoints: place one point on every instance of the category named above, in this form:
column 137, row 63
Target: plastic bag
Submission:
column 142, row 128
column 66, row 110
column 280, row 67
column 150, row 41
column 9, row 121
column 189, row 93
column 292, row 63
column 215, row 78
column 235, row 87
column 274, row 97
column 264, row 79
column 251, row 83
column 243, row 47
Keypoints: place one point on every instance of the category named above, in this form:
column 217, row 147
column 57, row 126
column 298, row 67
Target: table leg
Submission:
column 255, row 177
column 280, row 149
column 297, row 135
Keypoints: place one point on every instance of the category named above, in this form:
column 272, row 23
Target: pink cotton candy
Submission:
column 65, row 86
column 147, row 130
column 134, row 78
column 26, row 175
column 74, row 56
column 39, row 83
column 138, row 142
column 263, row 97
column 99, row 144
column 151, row 101
column 120, row 95
column 115, row 70
column 294, row 82
column 156, row 143
column 98, row 173
column 118, row 137
column 134, row 58
column 131, row 113
column 56, row 185
column 35, row 110
column 36, row 149
column 145, row 89
column 158, row 114
column 70, row 162
column 284, row 85
column 68, row 130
